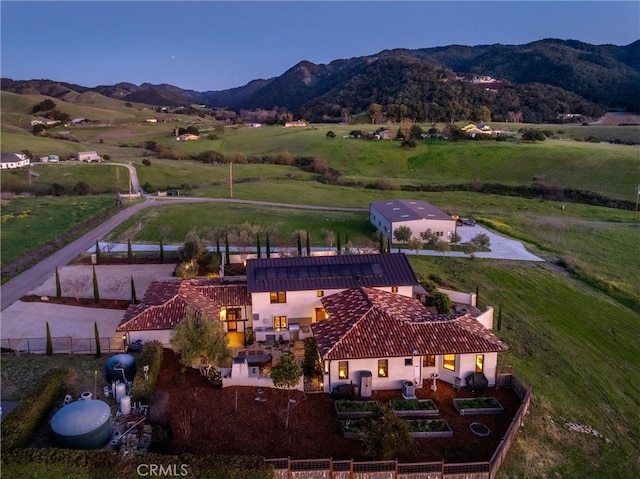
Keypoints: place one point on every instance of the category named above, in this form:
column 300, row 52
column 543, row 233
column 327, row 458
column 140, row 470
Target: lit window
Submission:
column 429, row 361
column 343, row 369
column 383, row 368
column 449, row 362
column 408, row 361
column 280, row 322
column 394, row 289
column 479, row 363
column 278, row 297
column 326, row 367
column 320, row 294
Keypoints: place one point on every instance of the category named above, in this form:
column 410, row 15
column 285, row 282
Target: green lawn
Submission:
column 577, row 349
column 28, row 223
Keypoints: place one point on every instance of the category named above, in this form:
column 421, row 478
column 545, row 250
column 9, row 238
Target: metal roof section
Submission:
column 407, row 210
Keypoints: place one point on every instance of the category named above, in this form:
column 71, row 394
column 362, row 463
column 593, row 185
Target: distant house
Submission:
column 419, row 216
column 391, row 339
column 290, row 124
column 473, row 129
column 14, row 160
column 88, row 156
column 151, row 120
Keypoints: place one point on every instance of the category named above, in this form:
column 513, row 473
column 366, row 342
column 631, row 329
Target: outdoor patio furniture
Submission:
column 457, row 384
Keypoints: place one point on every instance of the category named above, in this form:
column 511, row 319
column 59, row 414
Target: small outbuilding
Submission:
column 419, row 216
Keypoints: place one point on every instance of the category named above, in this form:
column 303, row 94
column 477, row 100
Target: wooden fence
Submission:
column 63, row 344
column 285, row 468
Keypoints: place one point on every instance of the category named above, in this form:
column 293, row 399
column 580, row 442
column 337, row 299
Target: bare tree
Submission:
column 117, row 288
column 328, row 236
column 164, row 232
column 76, row 285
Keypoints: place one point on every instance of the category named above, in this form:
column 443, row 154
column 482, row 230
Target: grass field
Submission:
column 577, row 349
column 28, row 223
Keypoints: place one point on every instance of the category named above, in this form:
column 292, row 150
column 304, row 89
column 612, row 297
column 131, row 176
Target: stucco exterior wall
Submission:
column 162, row 335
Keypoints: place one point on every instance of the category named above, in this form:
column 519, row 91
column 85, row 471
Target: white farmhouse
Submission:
column 88, row 156
column 14, row 160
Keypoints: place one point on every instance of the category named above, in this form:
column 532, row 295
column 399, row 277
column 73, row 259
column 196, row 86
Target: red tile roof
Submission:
column 165, row 303
column 369, row 323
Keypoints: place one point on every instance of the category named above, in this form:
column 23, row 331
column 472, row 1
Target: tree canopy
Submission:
column 199, row 339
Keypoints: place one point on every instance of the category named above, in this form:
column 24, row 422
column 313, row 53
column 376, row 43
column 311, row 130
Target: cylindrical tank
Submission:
column 125, row 405
column 121, row 367
column 82, row 425
column 121, row 391
column 86, row 396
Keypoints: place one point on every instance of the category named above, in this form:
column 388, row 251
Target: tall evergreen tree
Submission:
column 258, row 249
column 129, row 251
column 49, row 341
column 218, row 245
column 134, row 298
column 308, row 245
column 268, row 246
column 96, row 291
column 499, row 325
column 381, row 247
column 97, row 253
column 161, row 252
column 58, row 285
column 97, row 336
column 338, row 246
column 299, row 245
column 227, row 254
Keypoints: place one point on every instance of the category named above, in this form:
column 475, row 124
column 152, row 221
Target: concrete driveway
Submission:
column 27, row 320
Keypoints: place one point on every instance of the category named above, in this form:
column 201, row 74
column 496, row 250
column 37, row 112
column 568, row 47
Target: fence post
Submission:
column 28, row 346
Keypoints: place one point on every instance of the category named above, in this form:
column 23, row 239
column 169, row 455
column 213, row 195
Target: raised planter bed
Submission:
column 347, row 409
column 429, row 428
column 482, row 405
column 351, row 428
column 413, row 407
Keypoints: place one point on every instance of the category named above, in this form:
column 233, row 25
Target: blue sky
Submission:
column 211, row 45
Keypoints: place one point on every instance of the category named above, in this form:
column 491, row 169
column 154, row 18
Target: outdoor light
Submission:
column 124, row 341
column 145, row 369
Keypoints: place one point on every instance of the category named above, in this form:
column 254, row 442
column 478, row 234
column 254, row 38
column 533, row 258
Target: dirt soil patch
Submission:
column 204, row 419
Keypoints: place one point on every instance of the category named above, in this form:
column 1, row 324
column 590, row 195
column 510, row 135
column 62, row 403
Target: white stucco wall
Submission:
column 486, row 318
column 162, row 335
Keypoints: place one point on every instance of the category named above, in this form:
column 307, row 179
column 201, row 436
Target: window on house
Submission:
column 429, row 361
column 278, row 297
column 320, row 294
column 408, row 361
column 449, row 362
column 394, row 289
column 383, row 368
column 321, row 315
column 479, row 362
column 343, row 369
column 280, row 322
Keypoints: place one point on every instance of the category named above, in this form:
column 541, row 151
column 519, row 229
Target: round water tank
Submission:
column 121, row 391
column 82, row 425
column 86, row 396
column 125, row 405
column 120, row 367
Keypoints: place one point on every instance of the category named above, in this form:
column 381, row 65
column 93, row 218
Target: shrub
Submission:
column 19, row 426
column 150, row 355
column 442, row 302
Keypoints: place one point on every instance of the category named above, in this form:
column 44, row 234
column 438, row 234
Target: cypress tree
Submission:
column 258, row 249
column 97, row 335
column 499, row 325
column 299, row 245
column 129, row 252
column 161, row 252
column 96, row 291
column 134, row 298
column 58, row 286
column 477, row 295
column 308, row 245
column 49, row 341
column 227, row 255
column 381, row 243
column 268, row 246
column 218, row 245
column 338, row 246
column 97, row 253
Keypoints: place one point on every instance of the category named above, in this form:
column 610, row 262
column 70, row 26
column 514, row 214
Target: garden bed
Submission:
column 429, row 428
column 351, row 428
column 413, row 407
column 347, row 409
column 481, row 405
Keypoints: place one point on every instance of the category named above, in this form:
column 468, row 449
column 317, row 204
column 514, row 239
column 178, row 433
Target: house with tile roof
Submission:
column 419, row 216
column 165, row 303
column 393, row 339
column 287, row 293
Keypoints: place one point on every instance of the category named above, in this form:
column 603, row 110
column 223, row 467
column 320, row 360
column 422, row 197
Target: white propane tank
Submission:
column 121, row 391
column 125, row 404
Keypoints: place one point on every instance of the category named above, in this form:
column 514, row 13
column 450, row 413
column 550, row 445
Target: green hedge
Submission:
column 105, row 464
column 20, row 425
column 151, row 354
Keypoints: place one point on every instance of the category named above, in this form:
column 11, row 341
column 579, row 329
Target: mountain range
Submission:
column 539, row 81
